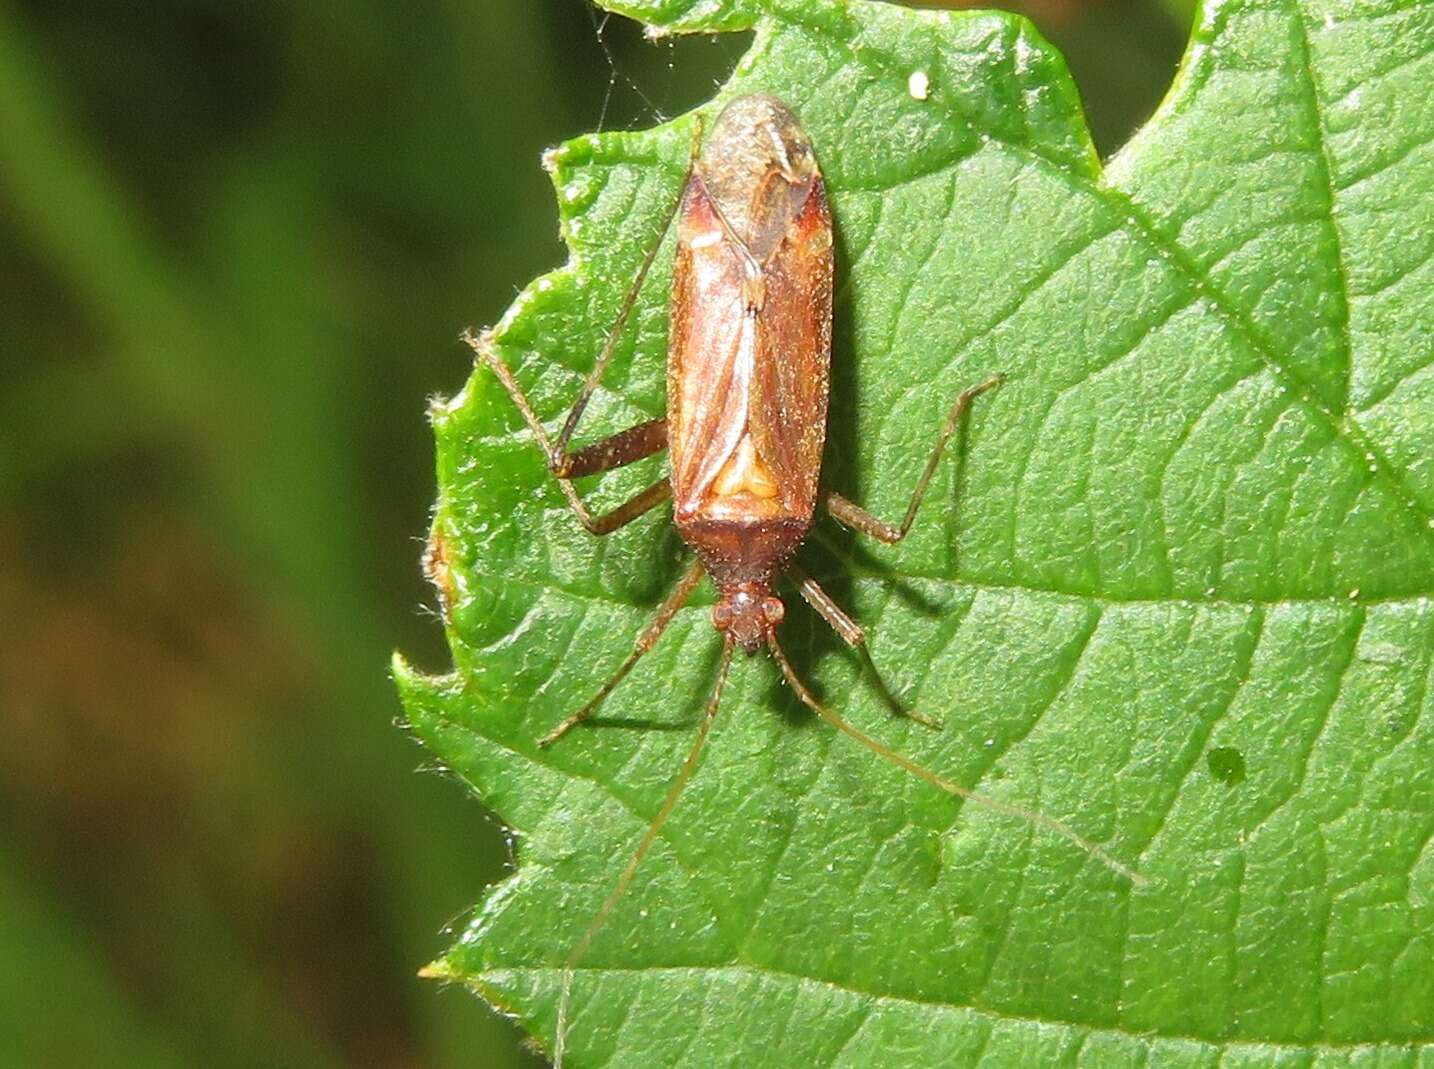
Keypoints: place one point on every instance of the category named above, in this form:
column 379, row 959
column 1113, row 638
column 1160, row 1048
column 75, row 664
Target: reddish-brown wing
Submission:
column 788, row 409
column 710, row 345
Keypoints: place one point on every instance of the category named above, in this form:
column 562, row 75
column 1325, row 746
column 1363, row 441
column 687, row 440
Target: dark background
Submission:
column 237, row 244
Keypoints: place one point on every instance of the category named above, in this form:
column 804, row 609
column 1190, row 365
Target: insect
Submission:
column 749, row 354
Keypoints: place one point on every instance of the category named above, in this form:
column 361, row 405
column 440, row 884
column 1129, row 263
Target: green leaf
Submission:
column 1176, row 592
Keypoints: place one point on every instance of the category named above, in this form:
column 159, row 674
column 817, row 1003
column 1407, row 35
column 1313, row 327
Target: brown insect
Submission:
column 749, row 351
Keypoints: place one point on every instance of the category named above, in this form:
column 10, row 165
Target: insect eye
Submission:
column 774, row 610
column 721, row 616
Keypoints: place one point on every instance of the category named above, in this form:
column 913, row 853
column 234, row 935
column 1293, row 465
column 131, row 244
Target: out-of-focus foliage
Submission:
column 236, row 245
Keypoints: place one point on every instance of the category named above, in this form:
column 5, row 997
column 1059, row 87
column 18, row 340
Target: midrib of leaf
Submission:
column 854, row 568
column 1225, row 1048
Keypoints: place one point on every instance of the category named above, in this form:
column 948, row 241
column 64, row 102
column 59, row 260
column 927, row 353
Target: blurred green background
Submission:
column 237, row 245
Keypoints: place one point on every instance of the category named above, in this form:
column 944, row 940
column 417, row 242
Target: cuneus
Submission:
column 749, row 354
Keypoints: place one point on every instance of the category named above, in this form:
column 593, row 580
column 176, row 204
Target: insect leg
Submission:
column 622, row 448
column 1030, row 816
column 849, row 630
column 674, row 791
column 858, row 519
column 625, row 513
column 852, row 634
column 666, row 611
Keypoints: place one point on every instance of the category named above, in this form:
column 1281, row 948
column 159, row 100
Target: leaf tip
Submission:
column 438, row 970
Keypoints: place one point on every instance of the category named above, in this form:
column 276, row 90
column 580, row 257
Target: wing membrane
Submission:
column 710, row 350
column 788, row 407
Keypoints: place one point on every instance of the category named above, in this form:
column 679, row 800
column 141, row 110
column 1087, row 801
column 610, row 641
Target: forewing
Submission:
column 710, row 350
column 789, row 387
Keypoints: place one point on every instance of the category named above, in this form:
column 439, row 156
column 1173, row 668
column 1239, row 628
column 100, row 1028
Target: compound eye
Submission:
column 774, row 611
column 721, row 616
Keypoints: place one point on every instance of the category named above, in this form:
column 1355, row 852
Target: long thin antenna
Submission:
column 1040, row 820
column 648, row 838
